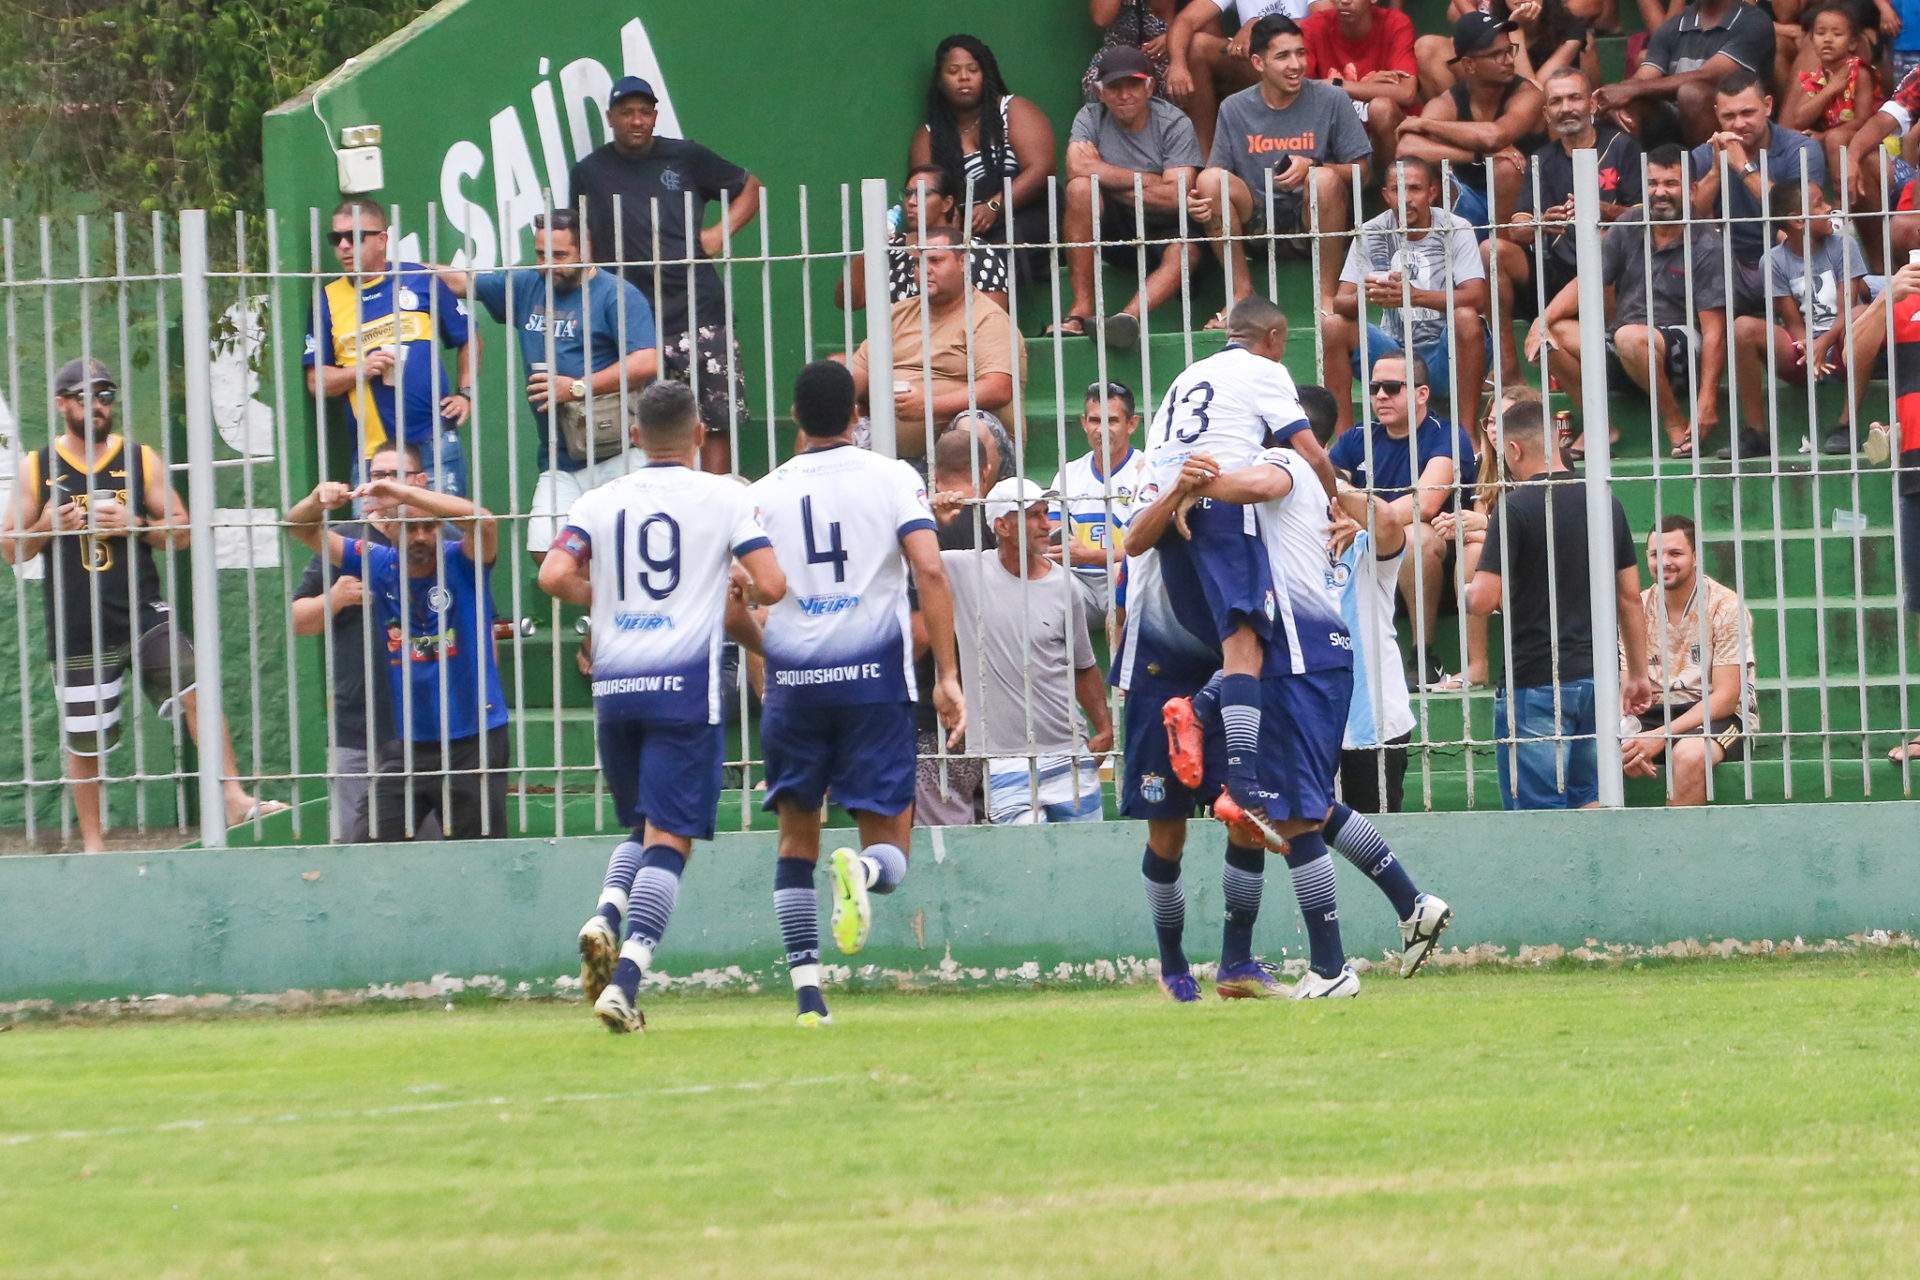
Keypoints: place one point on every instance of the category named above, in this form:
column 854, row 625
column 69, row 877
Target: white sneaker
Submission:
column 1314, row 987
column 1420, row 932
column 599, row 953
column 617, row 1013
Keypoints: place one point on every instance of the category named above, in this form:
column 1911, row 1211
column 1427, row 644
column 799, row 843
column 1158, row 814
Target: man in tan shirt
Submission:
column 1727, row 703
column 941, row 362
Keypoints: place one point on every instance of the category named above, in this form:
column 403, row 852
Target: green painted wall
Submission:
column 318, row 918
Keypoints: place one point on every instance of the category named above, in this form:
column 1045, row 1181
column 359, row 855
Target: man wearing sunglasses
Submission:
column 375, row 345
column 98, row 507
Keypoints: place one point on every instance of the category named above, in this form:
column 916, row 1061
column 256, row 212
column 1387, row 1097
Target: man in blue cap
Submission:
column 664, row 186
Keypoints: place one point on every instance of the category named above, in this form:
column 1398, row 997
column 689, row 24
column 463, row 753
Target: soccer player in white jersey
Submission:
column 654, row 554
column 1232, row 405
column 846, row 523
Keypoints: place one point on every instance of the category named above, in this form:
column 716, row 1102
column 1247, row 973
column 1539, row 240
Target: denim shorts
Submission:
column 1547, row 774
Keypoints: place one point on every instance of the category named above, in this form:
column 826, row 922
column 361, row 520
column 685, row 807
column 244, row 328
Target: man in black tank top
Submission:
column 1489, row 112
column 96, row 506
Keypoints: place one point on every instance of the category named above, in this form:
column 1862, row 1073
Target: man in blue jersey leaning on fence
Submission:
column 667, row 556
column 847, row 524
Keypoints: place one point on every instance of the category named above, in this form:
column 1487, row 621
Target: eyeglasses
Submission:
column 346, row 237
column 1387, row 387
column 1504, row 51
column 393, row 475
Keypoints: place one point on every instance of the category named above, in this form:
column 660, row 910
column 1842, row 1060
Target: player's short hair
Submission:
column 1323, row 412
column 1526, row 425
column 373, row 219
column 1738, row 81
column 1253, row 316
column 1681, row 524
column 1101, row 392
column 1267, row 29
column 1568, row 72
column 823, row 399
column 669, row 414
column 1416, row 366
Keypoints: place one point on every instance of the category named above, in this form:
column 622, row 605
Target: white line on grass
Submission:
column 415, row 1108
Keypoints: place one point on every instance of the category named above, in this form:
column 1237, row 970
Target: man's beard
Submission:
column 95, row 428
column 1662, row 211
column 1572, row 126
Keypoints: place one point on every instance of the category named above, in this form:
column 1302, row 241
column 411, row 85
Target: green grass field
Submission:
column 1746, row 1117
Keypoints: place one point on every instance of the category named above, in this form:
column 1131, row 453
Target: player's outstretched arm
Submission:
column 766, row 581
column 304, row 519
column 1261, row 482
column 922, row 548
column 1148, row 526
column 567, row 573
column 1374, row 515
column 1304, row 444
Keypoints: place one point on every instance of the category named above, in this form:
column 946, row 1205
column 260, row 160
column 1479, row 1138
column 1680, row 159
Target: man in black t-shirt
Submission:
column 1536, row 549
column 1671, row 91
column 1570, row 121
column 689, row 306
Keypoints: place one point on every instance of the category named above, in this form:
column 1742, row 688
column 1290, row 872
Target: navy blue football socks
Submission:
column 1167, row 898
column 1360, row 843
column 1241, row 881
column 1240, row 717
column 656, row 888
column 1313, row 886
column 797, row 907
column 618, row 885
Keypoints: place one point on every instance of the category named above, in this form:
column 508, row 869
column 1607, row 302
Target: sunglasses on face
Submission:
column 1386, row 387
column 346, row 237
column 106, row 395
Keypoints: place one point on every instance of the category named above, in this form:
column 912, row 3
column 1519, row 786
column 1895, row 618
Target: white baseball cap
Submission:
column 1014, row 495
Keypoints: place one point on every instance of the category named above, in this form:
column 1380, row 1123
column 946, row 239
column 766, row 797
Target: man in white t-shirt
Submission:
column 1096, row 498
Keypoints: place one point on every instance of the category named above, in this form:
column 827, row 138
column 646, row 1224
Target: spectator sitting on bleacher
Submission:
column 1205, row 67
column 1131, row 24
column 978, row 129
column 1544, row 718
column 1552, row 36
column 1489, row 113
column 1681, row 343
column 928, row 194
column 986, row 353
column 1698, row 718
column 1128, row 135
column 1096, row 495
column 1818, row 278
column 1303, row 134
column 1366, row 50
column 1025, row 661
column 999, row 455
column 1417, row 463
column 1876, row 180
column 1830, row 100
column 1548, row 229
column 1671, row 91
column 1746, row 135
column 1404, row 260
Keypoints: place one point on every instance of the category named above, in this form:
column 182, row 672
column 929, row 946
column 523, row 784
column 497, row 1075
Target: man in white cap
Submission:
column 1025, row 660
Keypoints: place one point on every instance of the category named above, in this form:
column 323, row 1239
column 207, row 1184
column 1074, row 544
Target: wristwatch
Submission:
column 464, row 391
column 579, row 388
column 1750, row 168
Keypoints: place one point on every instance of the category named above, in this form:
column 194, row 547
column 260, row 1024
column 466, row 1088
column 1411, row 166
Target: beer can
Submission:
column 1563, row 427
column 507, row 628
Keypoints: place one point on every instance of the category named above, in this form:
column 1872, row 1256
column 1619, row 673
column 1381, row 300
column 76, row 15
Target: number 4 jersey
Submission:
column 844, row 633
column 660, row 541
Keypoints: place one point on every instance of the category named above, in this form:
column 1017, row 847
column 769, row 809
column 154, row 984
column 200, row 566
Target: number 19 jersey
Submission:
column 843, row 634
column 660, row 541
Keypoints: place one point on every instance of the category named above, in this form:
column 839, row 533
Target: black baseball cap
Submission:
column 628, row 86
column 77, row 375
column 1124, row 62
column 1475, row 31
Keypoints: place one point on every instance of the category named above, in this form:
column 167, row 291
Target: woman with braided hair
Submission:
column 976, row 128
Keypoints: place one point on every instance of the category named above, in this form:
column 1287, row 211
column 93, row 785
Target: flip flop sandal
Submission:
column 1079, row 329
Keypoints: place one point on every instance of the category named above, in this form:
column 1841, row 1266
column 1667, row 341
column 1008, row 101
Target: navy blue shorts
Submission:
column 666, row 772
column 865, row 752
column 1221, row 573
column 1303, row 719
column 1149, row 790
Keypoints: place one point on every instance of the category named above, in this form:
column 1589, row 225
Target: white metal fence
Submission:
column 205, row 350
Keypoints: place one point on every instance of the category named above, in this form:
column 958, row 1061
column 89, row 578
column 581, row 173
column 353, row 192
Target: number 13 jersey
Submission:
column 844, row 632
column 1228, row 404
column 660, row 541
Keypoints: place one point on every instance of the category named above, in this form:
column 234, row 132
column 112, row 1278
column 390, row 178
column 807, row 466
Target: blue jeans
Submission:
column 1438, row 356
column 1539, row 764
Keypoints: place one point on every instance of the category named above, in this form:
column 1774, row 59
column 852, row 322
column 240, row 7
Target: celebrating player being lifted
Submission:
column 1233, row 405
column 667, row 556
column 839, row 667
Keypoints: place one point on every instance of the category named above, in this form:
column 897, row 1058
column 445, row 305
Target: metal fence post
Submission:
column 197, row 342
column 1599, row 487
column 873, row 231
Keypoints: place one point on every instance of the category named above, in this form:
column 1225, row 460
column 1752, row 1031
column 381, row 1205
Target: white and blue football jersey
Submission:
column 1229, row 404
column 1309, row 633
column 843, row 634
column 660, row 541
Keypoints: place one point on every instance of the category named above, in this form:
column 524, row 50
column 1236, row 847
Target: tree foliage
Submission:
column 157, row 104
